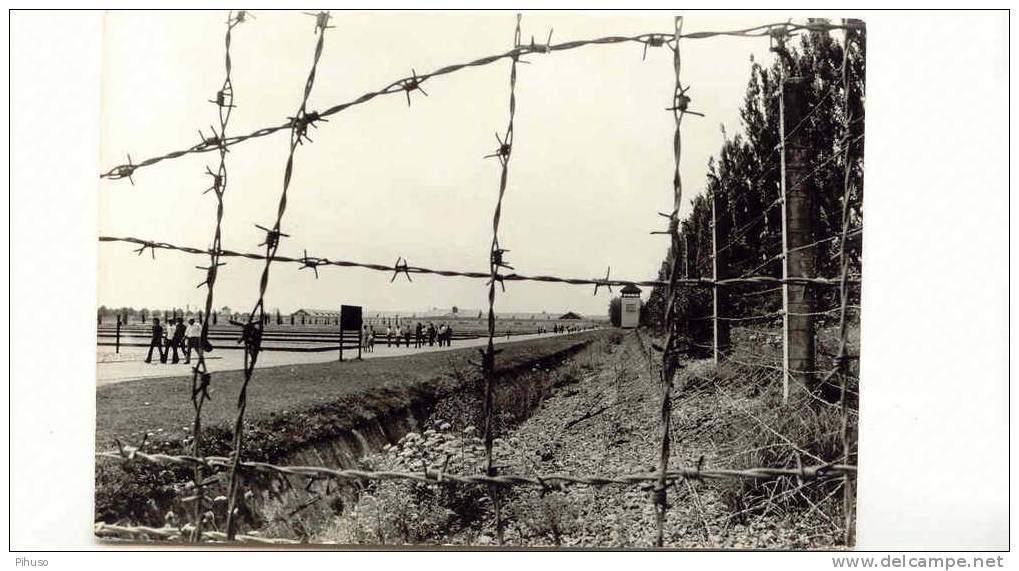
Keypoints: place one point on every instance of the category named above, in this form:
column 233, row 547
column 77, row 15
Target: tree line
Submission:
column 744, row 179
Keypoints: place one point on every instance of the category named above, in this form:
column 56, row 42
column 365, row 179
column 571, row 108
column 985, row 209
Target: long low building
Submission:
column 315, row 317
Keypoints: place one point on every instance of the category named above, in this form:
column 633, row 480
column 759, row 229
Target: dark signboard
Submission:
column 350, row 317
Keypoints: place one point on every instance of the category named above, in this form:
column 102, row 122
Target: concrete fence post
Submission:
column 798, row 210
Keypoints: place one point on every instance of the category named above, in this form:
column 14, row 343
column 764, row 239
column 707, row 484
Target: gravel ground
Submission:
column 601, row 417
column 608, row 424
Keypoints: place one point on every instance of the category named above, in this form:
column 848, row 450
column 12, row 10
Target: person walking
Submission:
column 389, row 336
column 406, row 336
column 167, row 339
column 178, row 339
column 449, row 336
column 418, row 335
column 431, row 334
column 157, row 341
column 192, row 339
column 442, row 334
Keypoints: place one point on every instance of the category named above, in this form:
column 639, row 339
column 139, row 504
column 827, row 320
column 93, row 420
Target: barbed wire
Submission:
column 496, row 262
column 252, row 332
column 201, row 378
column 406, row 268
column 763, row 316
column 743, row 229
column 781, row 255
column 413, row 82
column 429, row 475
column 796, row 128
column 680, row 101
column 736, row 235
column 756, row 293
column 187, row 532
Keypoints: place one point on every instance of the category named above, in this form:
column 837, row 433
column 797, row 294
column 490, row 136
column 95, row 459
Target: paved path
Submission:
column 130, row 365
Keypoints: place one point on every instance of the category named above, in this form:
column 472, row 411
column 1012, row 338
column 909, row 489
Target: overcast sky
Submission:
column 591, row 165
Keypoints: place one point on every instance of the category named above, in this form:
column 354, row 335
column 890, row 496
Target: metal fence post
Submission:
column 714, row 279
column 341, row 342
column 719, row 262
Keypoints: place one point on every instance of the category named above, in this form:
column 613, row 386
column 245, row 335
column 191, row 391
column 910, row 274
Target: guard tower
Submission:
column 630, row 307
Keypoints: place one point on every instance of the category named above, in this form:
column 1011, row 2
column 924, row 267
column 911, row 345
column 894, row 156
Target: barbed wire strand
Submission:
column 779, row 256
column 252, row 332
column 430, row 475
column 185, row 532
column 201, row 377
column 495, row 263
column 756, row 293
column 128, row 454
column 414, row 81
column 777, row 313
column 741, row 232
column 747, row 226
column 670, row 360
column 765, row 425
column 404, row 268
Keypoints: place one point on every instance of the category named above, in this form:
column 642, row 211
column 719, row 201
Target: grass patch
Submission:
column 288, row 407
column 759, row 428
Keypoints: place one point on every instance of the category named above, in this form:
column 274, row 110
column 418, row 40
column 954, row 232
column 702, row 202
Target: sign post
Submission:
column 350, row 320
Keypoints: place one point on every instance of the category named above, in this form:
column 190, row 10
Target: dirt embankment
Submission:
column 329, row 414
column 588, row 407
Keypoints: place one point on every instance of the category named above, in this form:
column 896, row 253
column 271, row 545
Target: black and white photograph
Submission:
column 311, row 390
column 501, row 280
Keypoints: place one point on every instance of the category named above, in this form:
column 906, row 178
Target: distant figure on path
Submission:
column 157, row 341
column 449, row 336
column 418, row 336
column 168, row 338
column 178, row 338
column 442, row 334
column 192, row 336
column 431, row 334
column 389, row 336
column 406, row 336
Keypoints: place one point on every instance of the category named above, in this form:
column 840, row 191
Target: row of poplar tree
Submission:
column 745, row 178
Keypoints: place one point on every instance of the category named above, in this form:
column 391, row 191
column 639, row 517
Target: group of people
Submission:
column 557, row 329
column 420, row 333
column 174, row 336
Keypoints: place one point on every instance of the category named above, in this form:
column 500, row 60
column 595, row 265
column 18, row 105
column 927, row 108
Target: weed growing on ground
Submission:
column 391, row 512
column 762, row 430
